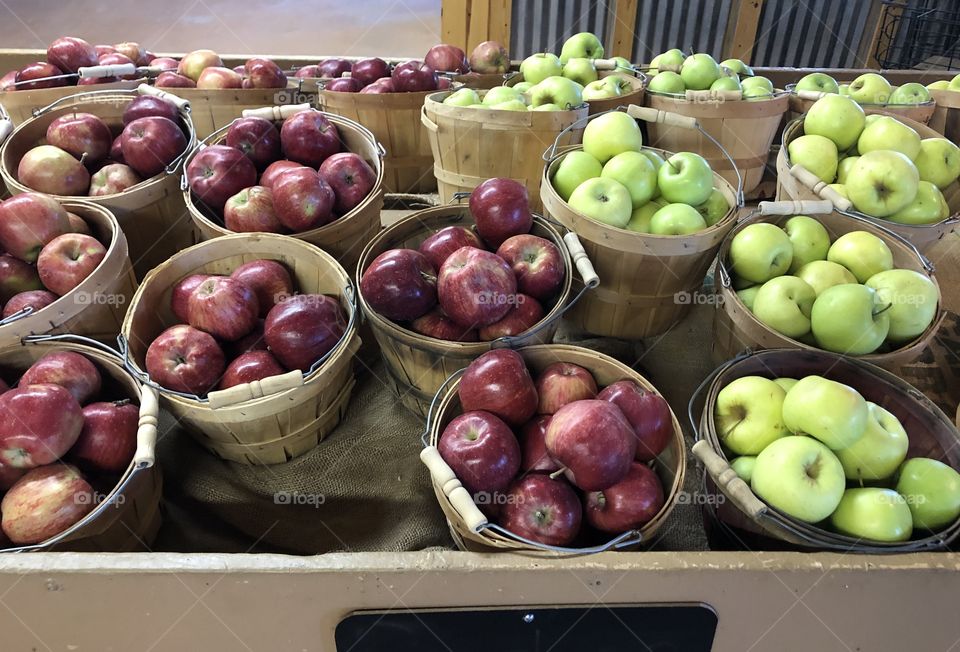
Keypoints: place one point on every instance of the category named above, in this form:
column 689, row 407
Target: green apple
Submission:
column 737, row 66
column 863, row 253
column 748, row 414
column 835, row 117
column 726, row 84
column 743, row 466
column 667, row 82
column 640, row 218
column 817, row 154
column 832, row 412
column 575, row 168
column 840, row 189
column 636, row 173
column 786, row 383
column 873, row 513
column 844, row 89
column 462, row 97
column 501, row 94
column 561, row 91
column 912, row 298
column 610, row 134
column 622, row 63
column 849, row 319
column 522, row 87
column 819, row 82
column 938, row 161
column 784, row 304
column 670, row 60
column 800, row 477
column 881, row 450
column 882, row 182
column 601, row 89
column 748, row 295
column 844, row 167
column 510, row 105
column 699, row 71
column 538, row 67
column 603, row 200
column 582, row 71
column 657, row 161
column 756, row 92
column 926, row 208
column 823, row 274
column 932, row 491
column 685, row 178
column 751, row 83
column 910, row 93
column 677, row 219
column 545, row 107
column 939, row 85
column 888, row 133
column 583, row 45
column 954, row 84
column 714, row 209
column 760, row 252
column 870, row 88
column 809, row 238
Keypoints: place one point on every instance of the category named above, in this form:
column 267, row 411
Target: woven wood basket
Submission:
column 946, row 115
column 645, row 280
column 801, row 101
column 22, row 105
column 635, row 79
column 345, row 237
column 151, row 214
column 128, row 517
column 265, row 422
column 735, row 328
column 470, row 528
column 95, row 308
column 931, row 433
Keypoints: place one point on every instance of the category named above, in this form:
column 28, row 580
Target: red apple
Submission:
column 250, row 366
column 268, row 279
column 44, row 503
column 133, row 51
column 384, row 85
column 118, row 59
column 180, row 294
column 257, row 138
column 112, row 179
column 501, row 208
column 537, row 264
column 438, row 247
column 78, row 224
column 217, row 172
column 367, row 71
column 414, row 76
column 481, row 450
column 8, row 81
column 437, row 325
column 533, row 448
column 476, row 287
column 251, row 210
column 252, row 342
column 145, row 106
column 561, row 383
column 16, row 276
column 224, row 307
column 333, row 68
column 302, row 329
column 542, row 509
column 647, row 412
column 351, row 178
column 400, row 284
column 68, row 260
column 29, row 221
column 93, row 81
column 151, row 144
column 83, row 135
column 34, row 299
column 70, row 54
column 448, row 58
column 193, row 63
column 594, row 441
column 627, row 505
column 275, row 169
column 524, row 313
column 38, row 424
column 185, row 359
column 68, row 369
column 9, row 475
column 490, row 57
column 169, row 79
column 102, row 49
column 443, row 83
column 219, row 78
column 240, row 70
column 302, row 200
column 40, row 74
column 116, row 149
column 498, row 382
column 343, row 85
column 308, row 137
column 108, row 440
column 307, row 72
column 264, row 73
column 49, row 169
column 165, row 64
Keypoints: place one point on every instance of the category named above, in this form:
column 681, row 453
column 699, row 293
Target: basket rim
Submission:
column 432, row 102
column 792, row 90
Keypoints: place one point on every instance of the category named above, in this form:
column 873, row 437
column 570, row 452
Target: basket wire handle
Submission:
column 813, row 182
column 437, row 397
column 624, row 540
column 179, row 102
column 796, row 207
column 281, row 112
column 76, row 339
column 113, row 70
column 26, row 311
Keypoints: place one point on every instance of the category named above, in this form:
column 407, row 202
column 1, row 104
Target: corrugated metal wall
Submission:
column 543, row 26
column 810, row 33
column 692, row 25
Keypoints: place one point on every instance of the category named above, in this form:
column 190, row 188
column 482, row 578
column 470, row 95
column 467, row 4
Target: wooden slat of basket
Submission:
column 946, row 115
column 213, row 109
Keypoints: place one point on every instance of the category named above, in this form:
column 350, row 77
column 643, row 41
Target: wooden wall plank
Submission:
column 466, row 23
column 745, row 17
column 622, row 21
column 454, row 21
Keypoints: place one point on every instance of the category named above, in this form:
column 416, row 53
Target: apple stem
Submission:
column 556, row 474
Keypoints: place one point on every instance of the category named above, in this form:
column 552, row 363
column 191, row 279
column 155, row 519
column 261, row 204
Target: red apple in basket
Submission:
column 83, row 135
column 489, row 58
column 108, row 440
column 40, row 74
column 594, row 441
column 264, row 73
column 499, row 382
column 118, row 59
column 561, row 383
column 9, row 475
column 145, row 106
column 49, row 169
column 448, row 58
column 400, row 284
column 168, row 79
column 29, row 221
column 217, row 77
column 476, row 287
column 185, row 359
column 437, row 325
column 438, row 246
column 333, row 68
column 367, row 71
column 102, row 49
column 116, row 149
column 302, row 200
column 524, row 313
column 38, row 424
column 269, row 280
column 308, row 137
column 16, row 276
column 481, row 450
column 628, row 504
column 501, row 208
column 44, row 503
column 303, row 328
column 384, row 85
column 413, row 76
column 351, row 178
column 92, row 81
column 133, row 51
column 193, row 63
column 224, row 307
column 78, row 224
column 240, row 70
column 275, row 169
column 541, row 509
column 254, row 341
column 68, row 369
column 537, row 264
column 250, row 366
column 444, row 83
column 343, row 85
column 257, row 138
column 112, row 179
column 180, row 294
column 67, row 260
column 533, row 447
column 647, row 412
column 8, row 81
column 34, row 299
column 307, row 72
column 251, row 210
column 217, row 172
column 70, row 54
column 151, row 144
column 165, row 64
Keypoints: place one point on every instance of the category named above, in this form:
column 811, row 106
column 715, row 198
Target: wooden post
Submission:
column 465, row 23
column 622, row 20
column 744, row 20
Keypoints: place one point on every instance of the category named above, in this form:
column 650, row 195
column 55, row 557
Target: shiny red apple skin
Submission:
column 36, row 299
column 594, row 441
column 489, row 57
column 384, row 85
column 254, row 341
column 51, row 170
column 343, row 85
column 627, row 505
column 537, row 264
column 180, row 294
column 112, row 179
column 16, row 276
column 219, row 78
column 145, row 106
column 414, row 76
column 250, row 366
column 437, row 325
column 648, row 413
column 35, row 76
column 561, row 383
column 108, row 440
column 70, row 53
column 533, row 447
column 275, row 169
column 367, row 71
column 78, row 224
column 400, row 284
column 302, row 200
column 68, row 369
column 151, row 144
column 351, row 178
column 116, row 149
column 302, row 329
column 308, row 137
column 542, row 509
column 501, row 209
column 264, row 73
column 269, row 279
column 447, row 58
column 170, row 79
column 333, row 68
column 307, row 72
column 38, row 424
column 224, row 307
column 476, row 287
column 481, row 450
column 165, row 64
column 83, row 135
column 499, row 382
column 45, row 502
column 251, row 210
column 185, row 359
column 440, row 245
column 523, row 315
column 28, row 222
column 257, row 138
column 8, row 81
column 67, row 260
column 217, row 172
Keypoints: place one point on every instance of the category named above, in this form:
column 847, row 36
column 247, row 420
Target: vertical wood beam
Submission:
column 745, row 19
column 466, row 23
column 622, row 19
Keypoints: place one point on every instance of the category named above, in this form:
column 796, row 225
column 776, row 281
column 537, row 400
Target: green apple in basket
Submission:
column 939, row 85
column 672, row 58
column 938, row 161
column 818, row 82
column 835, row 117
column 932, row 491
column 784, row 304
column 834, row 413
column 881, row 450
column 545, row 107
column 863, row 253
column 602, row 89
column 583, row 45
column 636, row 173
column 714, row 209
column 840, row 189
column 582, row 71
column 850, row 319
column 462, row 97
column 870, row 88
column 538, row 67
column 622, row 63
column 912, row 298
column 928, row 207
column 575, row 168
column 610, row 134
column 667, row 82
column 751, row 83
column 604, row 200
column 738, row 67
column 760, row 252
column 887, row 133
column 823, row 274
column 844, row 167
column 500, row 94
column 686, row 178
column 873, row 513
column 882, row 182
column 955, row 83
column 786, row 383
column 817, row 154
column 565, row 93
column 641, row 217
column 749, row 414
column 844, row 89
column 756, row 93
column 749, row 295
column 726, row 84
column 910, row 93
column 743, row 466
column 677, row 219
column 522, row 87
column 800, row 477
column 809, row 238
column 699, row 71
column 510, row 105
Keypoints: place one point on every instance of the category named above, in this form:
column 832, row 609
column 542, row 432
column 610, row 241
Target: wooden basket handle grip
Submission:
column 147, row 427
column 581, row 260
column 427, row 122
column 147, row 89
column 813, row 182
column 255, row 389
column 648, row 114
column 728, row 481
column 796, row 207
column 275, row 112
column 113, row 70
column 712, row 96
column 668, row 68
column 605, row 64
column 458, row 496
column 810, row 95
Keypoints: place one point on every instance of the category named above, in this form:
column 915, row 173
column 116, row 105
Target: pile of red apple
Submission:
column 48, row 252
column 539, row 455
column 454, row 287
column 204, row 69
column 57, row 416
column 243, row 327
column 287, row 180
column 82, row 155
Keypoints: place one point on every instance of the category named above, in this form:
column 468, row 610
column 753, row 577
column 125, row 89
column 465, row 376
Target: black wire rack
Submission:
column 919, row 33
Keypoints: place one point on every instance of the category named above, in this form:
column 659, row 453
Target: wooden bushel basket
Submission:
column 278, row 418
column 643, row 277
column 634, row 81
column 745, row 129
column 345, row 237
column 946, row 115
column 470, row 528
column 794, row 182
column 735, row 327
column 95, row 308
column 128, row 517
column 151, row 214
column 801, row 101
column 931, row 433
column 418, row 365
column 23, row 105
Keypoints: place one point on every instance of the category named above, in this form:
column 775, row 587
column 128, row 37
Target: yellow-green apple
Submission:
column 542, row 509
column 150, row 144
column 481, row 450
column 743, row 466
column 928, row 207
column 536, row 262
column 800, row 477
column 881, row 450
column 888, row 133
column 565, row 93
column 823, row 274
column 518, row 105
column 49, row 169
column 760, row 252
column 738, row 67
column 501, row 94
column 610, row 134
column 45, row 502
column 602, row 89
column 476, row 287
column 851, row 319
column 870, row 88
column 16, row 276
column 438, row 246
column 809, row 238
column 640, row 217
column 756, row 83
column 726, row 84
column 67, row 260
column 268, row 279
column 69, row 54
column 594, row 442
column 686, row 178
column 939, row 85
column 817, row 154
column 251, row 211
column 605, row 200
column 756, row 92
column 648, row 413
column 561, row 383
column 112, row 179
column 955, row 83
column 583, row 45
column 108, row 440
column 932, row 491
column 912, row 298
column 938, row 161
column 819, row 82
column 882, row 182
column 748, row 295
column 400, row 284
column 539, row 66
column 844, row 89
column 834, row 413
column 501, row 209
column 224, row 307
column 575, row 168
column 840, row 189
column 258, row 138
column 861, row 252
column 667, row 82
column 437, row 325
column 714, row 208
column 308, row 137
column 489, row 57
column 910, row 93
column 835, row 117
column 38, row 424
column 677, row 219
column 498, row 382
column 699, row 71
column 844, row 167
column 463, row 97
column 303, row 328
column 581, row 70
column 628, row 504
column 873, row 513
column 636, row 173
column 669, row 60
column 194, row 63
column 749, row 414
column 784, row 304
column 786, row 383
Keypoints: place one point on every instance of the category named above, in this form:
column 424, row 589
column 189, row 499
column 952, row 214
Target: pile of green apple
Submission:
column 700, row 72
column 880, row 164
column 815, row 449
column 614, row 180
column 945, row 85
column 843, row 296
column 871, row 88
